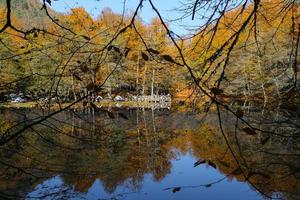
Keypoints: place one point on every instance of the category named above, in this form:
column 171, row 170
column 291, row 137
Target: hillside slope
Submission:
column 29, row 12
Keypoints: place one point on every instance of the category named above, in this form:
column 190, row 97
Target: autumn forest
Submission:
column 39, row 55
column 200, row 100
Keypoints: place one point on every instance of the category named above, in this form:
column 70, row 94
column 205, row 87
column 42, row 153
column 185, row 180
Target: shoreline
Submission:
column 117, row 104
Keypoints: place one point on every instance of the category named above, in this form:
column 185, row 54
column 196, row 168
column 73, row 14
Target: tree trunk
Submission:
column 144, row 80
column 152, row 83
column 137, row 73
column 73, row 89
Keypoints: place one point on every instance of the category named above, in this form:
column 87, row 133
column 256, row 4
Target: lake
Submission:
column 151, row 154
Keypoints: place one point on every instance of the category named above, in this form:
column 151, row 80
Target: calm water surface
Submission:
column 151, row 154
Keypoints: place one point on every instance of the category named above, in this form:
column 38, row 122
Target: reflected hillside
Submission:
column 82, row 147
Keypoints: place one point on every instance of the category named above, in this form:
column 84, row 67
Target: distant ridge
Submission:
column 29, row 12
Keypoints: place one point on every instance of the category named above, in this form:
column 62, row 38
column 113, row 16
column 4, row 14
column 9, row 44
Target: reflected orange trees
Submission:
column 118, row 151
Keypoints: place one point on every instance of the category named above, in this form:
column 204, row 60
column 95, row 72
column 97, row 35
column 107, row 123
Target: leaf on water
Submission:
column 199, row 162
column 265, row 140
column 216, row 91
column 150, row 50
column 237, row 171
column 249, row 131
column 122, row 115
column 208, row 185
column 212, row 164
column 14, row 174
column 239, row 113
column 84, row 103
column 90, row 86
column 176, row 189
column 94, row 106
column 145, row 56
column 110, row 114
column 168, row 58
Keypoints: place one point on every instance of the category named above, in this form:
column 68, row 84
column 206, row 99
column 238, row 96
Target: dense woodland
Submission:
column 234, row 77
column 76, row 62
column 242, row 53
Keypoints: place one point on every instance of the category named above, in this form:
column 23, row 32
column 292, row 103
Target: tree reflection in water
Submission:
column 64, row 157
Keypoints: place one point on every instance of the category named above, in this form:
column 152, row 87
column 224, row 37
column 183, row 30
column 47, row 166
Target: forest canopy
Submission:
column 243, row 48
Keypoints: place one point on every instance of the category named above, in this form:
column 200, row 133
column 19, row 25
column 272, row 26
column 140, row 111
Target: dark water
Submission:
column 145, row 154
